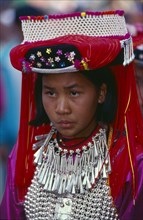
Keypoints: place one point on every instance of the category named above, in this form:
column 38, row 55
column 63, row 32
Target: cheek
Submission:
column 87, row 108
column 46, row 103
column 90, row 109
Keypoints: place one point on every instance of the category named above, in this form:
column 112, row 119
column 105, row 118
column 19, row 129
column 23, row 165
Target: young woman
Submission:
column 81, row 114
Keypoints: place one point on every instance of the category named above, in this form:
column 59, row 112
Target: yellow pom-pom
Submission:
column 83, row 14
column 84, row 65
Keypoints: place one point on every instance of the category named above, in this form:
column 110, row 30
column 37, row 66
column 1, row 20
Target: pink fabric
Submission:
column 126, row 208
column 11, row 208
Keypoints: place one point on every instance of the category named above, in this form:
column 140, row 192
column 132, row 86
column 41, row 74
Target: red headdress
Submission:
column 72, row 42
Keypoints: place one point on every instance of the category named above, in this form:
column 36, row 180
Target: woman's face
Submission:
column 70, row 101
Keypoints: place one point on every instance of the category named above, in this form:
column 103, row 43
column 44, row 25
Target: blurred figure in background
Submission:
column 137, row 33
column 135, row 27
column 10, row 81
column 62, row 6
column 139, row 73
column 9, row 101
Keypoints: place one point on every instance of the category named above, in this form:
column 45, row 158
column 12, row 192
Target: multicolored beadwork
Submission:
column 53, row 57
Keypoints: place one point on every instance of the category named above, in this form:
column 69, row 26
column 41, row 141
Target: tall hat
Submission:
column 71, row 43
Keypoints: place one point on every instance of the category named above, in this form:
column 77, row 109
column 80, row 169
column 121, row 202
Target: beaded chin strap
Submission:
column 109, row 24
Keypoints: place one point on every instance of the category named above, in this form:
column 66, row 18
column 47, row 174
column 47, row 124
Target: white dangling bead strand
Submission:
column 42, row 171
column 96, row 171
column 99, row 163
column 60, row 186
column 95, row 148
column 47, row 180
column 51, row 181
column 63, row 164
column 44, row 177
column 128, row 52
column 64, row 184
column 69, row 184
column 56, row 182
column 88, row 184
column 76, row 162
column 70, row 163
column 37, row 145
column 104, row 174
column 38, row 156
column 127, row 45
column 76, row 179
column 57, row 162
column 92, row 175
column 81, row 185
column 62, row 179
column 73, row 189
column 109, row 165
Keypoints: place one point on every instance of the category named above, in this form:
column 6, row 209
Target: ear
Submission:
column 102, row 93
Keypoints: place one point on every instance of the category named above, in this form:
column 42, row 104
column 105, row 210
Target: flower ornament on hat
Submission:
column 51, row 58
column 75, row 42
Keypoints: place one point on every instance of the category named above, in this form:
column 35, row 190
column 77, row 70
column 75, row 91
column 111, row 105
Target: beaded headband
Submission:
column 74, row 30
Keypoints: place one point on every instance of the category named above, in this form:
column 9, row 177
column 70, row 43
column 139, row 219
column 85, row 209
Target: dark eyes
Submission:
column 50, row 93
column 54, row 94
column 75, row 93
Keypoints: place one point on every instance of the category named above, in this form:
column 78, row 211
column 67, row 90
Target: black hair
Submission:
column 105, row 112
column 41, row 116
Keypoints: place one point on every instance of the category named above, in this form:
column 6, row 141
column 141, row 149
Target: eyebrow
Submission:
column 47, row 87
column 72, row 86
column 75, row 85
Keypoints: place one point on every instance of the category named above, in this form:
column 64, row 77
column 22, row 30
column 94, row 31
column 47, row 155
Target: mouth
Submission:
column 65, row 124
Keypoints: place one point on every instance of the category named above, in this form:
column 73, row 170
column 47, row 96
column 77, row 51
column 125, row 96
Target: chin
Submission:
column 67, row 133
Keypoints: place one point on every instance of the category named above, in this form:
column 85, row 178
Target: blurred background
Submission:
column 11, row 35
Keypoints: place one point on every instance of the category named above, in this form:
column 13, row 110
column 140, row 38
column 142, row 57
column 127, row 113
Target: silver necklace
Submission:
column 66, row 181
column 72, row 171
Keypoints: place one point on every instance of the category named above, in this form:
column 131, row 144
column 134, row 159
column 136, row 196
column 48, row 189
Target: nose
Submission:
column 63, row 106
